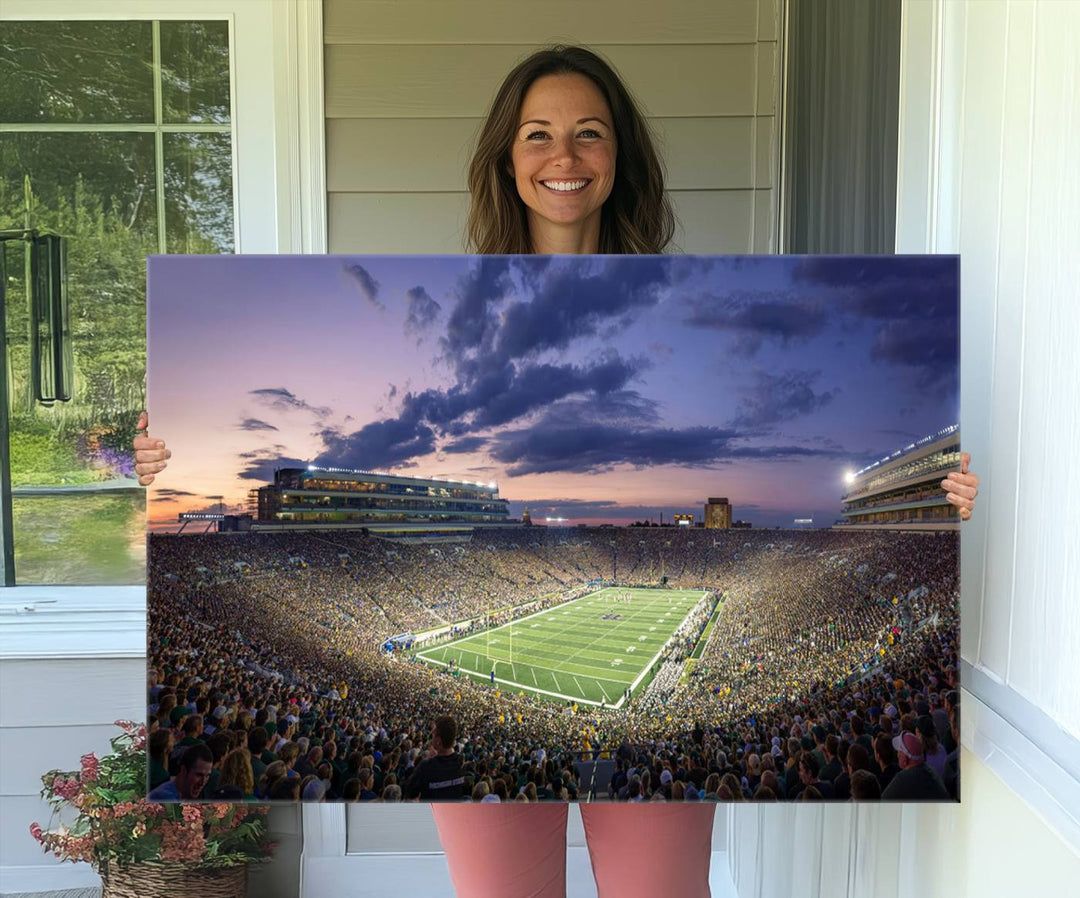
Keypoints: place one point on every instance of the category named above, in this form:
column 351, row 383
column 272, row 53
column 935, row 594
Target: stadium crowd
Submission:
column 832, row 661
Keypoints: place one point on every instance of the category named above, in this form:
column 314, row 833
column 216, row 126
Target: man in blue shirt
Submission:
column 196, row 765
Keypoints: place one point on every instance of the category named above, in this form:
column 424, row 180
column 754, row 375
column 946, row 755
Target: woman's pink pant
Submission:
column 516, row 850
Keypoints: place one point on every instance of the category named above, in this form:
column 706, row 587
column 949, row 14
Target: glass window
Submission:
column 117, row 136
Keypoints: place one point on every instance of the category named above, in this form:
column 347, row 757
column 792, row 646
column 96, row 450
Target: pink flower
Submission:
column 89, row 768
column 65, row 788
column 36, row 832
column 181, row 842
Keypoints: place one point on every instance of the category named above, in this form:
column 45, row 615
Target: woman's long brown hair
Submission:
column 637, row 216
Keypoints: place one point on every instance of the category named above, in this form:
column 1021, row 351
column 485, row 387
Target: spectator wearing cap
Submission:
column 917, row 780
column 220, row 720
column 196, row 764
column 315, row 790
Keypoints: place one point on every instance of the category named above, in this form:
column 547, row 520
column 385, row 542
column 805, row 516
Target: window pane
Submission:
column 76, row 72
column 195, row 71
column 98, row 191
column 81, row 539
column 198, row 193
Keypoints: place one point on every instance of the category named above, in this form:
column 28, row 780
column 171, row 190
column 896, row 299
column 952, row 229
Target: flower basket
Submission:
column 144, row 848
column 173, row 881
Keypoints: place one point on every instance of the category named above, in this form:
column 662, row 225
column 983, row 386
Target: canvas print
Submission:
column 533, row 528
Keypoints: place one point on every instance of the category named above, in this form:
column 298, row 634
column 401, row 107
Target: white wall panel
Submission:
column 1006, row 196
column 990, row 137
column 407, row 827
column 1046, row 614
column 980, row 175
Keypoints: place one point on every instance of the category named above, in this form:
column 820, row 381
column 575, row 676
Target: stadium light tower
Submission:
column 849, row 477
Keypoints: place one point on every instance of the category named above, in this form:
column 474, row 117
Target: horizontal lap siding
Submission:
column 519, row 21
column 408, row 83
column 460, row 80
column 80, row 699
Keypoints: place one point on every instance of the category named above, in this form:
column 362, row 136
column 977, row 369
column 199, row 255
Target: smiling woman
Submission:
column 562, row 117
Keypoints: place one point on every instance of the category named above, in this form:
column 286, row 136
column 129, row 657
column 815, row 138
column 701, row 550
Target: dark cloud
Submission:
column 780, row 397
column 369, row 287
column 924, row 346
column 588, row 447
column 599, row 447
column 165, row 492
column 752, row 317
column 485, row 285
column 381, row 444
column 423, row 311
column 574, row 302
column 261, row 463
column 255, row 424
column 884, row 286
column 661, row 350
column 283, row 400
column 534, row 387
column 912, row 301
column 465, row 444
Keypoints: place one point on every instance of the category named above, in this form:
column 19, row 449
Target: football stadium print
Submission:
column 554, row 528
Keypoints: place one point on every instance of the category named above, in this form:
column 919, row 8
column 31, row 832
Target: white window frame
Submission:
column 276, row 53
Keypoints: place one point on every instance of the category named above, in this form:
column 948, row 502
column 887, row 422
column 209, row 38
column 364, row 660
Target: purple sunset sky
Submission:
column 601, row 389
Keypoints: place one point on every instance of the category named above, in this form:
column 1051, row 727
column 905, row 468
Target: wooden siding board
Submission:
column 557, row 21
column 71, row 692
column 710, row 221
column 408, row 81
column 391, row 155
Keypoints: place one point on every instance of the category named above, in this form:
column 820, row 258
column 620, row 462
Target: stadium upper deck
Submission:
column 903, row 491
column 301, row 497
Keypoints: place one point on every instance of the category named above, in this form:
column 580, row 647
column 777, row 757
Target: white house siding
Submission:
column 408, row 83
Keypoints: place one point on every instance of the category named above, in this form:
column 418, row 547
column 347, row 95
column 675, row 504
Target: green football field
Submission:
column 590, row 650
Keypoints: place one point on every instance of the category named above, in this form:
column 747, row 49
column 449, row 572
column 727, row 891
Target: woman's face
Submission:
column 563, row 154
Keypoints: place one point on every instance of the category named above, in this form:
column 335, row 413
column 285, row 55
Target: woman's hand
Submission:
column 151, row 456
column 962, row 487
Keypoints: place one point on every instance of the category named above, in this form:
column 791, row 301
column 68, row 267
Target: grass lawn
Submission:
column 588, row 651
